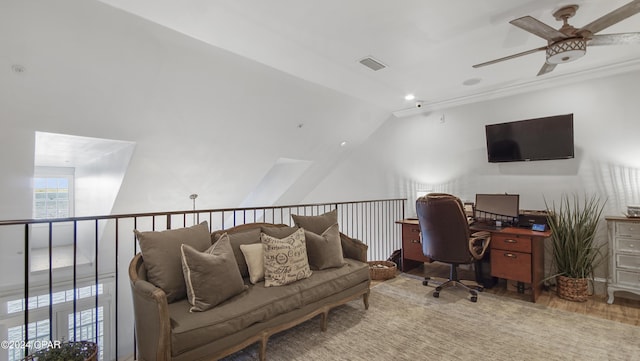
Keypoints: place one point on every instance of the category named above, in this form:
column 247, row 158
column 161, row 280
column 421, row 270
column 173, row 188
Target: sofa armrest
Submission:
column 353, row 248
column 151, row 313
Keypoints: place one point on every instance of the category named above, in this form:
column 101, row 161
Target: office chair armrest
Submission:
column 479, row 243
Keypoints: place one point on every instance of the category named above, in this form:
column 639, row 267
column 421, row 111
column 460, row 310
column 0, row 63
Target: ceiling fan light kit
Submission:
column 565, row 51
column 567, row 43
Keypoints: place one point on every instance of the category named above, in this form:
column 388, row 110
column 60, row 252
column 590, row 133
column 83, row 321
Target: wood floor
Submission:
column 622, row 310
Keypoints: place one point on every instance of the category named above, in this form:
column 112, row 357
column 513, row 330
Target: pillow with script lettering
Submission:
column 285, row 260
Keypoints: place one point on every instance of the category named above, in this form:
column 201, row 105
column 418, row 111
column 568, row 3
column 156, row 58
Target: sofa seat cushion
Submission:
column 258, row 304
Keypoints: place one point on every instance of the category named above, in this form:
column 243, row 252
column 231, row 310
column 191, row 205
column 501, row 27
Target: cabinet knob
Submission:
column 510, row 255
column 510, row 241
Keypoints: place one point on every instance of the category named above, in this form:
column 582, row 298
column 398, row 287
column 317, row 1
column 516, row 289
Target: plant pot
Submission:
column 67, row 351
column 572, row 289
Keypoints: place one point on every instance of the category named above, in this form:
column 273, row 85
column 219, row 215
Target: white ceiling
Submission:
column 429, row 46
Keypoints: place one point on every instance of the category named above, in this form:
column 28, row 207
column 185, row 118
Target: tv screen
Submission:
column 531, row 139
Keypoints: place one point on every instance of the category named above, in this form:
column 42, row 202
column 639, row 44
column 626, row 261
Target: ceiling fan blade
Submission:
column 546, row 68
column 539, row 28
column 613, row 17
column 615, row 39
column 510, row 57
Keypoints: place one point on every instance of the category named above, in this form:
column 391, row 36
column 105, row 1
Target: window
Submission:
column 89, row 320
column 53, row 192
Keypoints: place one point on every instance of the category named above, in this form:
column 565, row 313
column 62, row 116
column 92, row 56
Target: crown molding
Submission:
column 523, row 87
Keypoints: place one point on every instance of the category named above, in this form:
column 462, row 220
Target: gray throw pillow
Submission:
column 237, row 238
column 325, row 250
column 316, row 224
column 278, row 232
column 285, row 260
column 161, row 254
column 211, row 276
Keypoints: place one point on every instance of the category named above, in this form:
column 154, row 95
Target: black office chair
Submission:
column 446, row 238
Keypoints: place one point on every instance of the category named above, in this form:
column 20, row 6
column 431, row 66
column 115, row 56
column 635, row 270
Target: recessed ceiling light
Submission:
column 343, row 143
column 409, row 97
column 472, row 81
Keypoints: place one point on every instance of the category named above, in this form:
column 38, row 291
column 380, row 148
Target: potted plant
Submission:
column 576, row 252
column 67, row 351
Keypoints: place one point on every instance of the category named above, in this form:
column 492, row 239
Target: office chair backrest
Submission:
column 444, row 228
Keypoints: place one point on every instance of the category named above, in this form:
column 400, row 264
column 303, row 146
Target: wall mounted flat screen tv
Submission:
column 532, row 139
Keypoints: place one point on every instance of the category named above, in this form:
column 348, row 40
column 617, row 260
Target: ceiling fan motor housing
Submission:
column 566, row 50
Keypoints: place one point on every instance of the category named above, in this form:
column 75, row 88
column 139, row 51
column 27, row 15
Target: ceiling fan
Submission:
column 568, row 43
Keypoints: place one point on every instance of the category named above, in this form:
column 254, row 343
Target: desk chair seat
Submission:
column 446, row 238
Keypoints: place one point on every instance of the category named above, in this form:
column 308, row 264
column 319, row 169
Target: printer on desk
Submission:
column 529, row 218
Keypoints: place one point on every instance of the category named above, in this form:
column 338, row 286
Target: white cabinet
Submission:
column 624, row 255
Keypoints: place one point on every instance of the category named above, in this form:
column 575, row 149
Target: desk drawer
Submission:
column 628, row 278
column 411, row 245
column 511, row 242
column 628, row 245
column 628, row 229
column 514, row 266
column 628, row 261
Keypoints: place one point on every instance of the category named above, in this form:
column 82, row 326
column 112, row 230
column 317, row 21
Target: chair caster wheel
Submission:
column 436, row 294
column 474, row 299
column 480, row 288
column 425, row 283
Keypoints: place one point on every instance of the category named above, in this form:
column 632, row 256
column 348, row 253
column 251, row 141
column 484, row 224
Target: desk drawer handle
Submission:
column 510, row 241
column 510, row 255
column 415, row 241
column 415, row 230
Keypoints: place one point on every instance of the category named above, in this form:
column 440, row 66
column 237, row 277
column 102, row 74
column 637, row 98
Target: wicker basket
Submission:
column 572, row 289
column 382, row 270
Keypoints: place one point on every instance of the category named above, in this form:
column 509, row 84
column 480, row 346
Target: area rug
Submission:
column 405, row 322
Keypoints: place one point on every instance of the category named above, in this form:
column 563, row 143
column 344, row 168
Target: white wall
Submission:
column 204, row 120
column 423, row 152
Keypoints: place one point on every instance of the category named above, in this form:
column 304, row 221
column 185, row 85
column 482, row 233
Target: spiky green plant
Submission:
column 576, row 252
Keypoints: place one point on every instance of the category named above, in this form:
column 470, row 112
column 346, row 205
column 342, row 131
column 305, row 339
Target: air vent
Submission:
column 372, row 63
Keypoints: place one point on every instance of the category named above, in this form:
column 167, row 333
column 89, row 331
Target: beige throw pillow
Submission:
column 211, row 276
column 254, row 255
column 285, row 260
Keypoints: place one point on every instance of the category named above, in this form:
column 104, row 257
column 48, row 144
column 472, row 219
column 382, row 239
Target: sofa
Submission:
column 226, row 299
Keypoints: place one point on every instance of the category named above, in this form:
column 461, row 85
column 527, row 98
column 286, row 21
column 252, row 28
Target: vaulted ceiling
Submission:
column 428, row 46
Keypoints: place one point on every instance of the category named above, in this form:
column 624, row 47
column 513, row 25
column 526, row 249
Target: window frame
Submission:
column 67, row 173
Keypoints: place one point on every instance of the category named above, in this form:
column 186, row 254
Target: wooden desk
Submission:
column 517, row 254
column 412, row 255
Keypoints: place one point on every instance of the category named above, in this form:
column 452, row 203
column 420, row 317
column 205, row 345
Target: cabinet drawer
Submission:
column 411, row 245
column 412, row 249
column 410, row 232
column 628, row 261
column 514, row 266
column 511, row 242
column 628, row 278
column 628, row 229
column 628, row 245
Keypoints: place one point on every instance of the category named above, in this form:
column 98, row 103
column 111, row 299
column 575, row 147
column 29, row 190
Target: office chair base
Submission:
column 473, row 290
